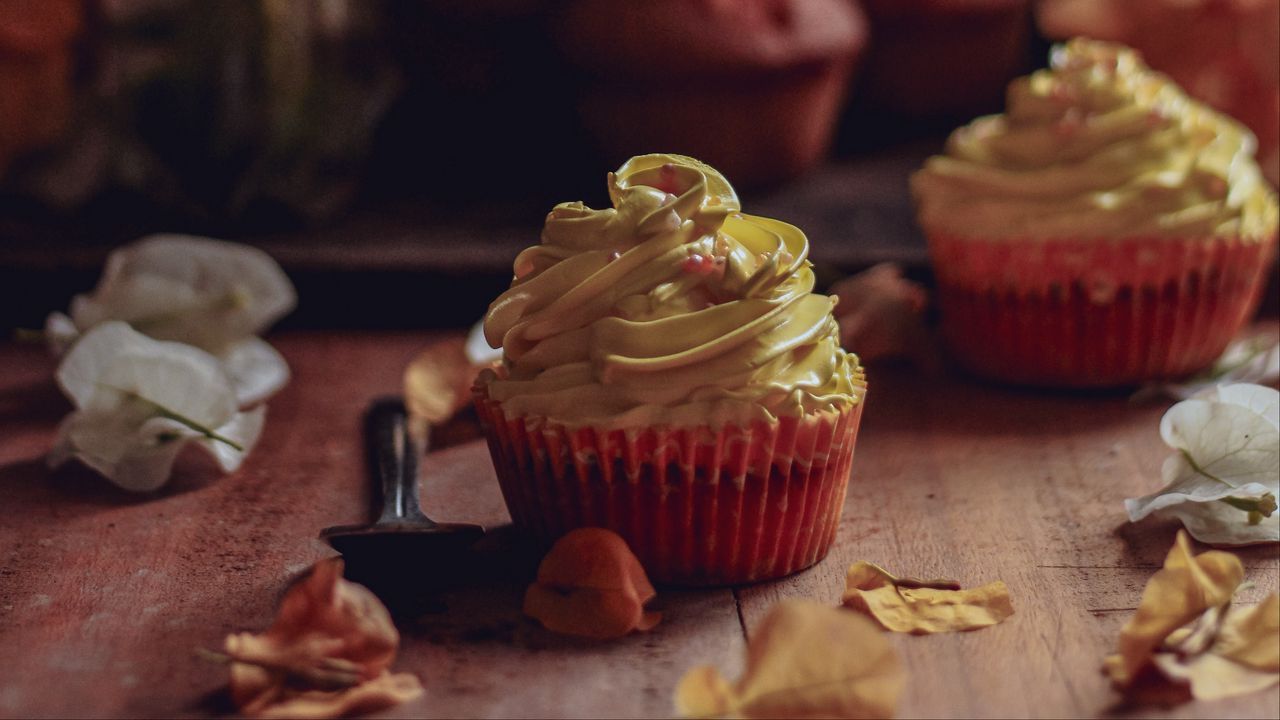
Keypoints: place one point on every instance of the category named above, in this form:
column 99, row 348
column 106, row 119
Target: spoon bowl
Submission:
column 403, row 551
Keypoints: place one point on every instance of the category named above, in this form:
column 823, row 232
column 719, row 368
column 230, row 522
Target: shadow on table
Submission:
column 901, row 399
column 501, row 564
column 32, row 489
column 478, row 597
column 217, row 703
column 34, row 411
column 38, row 404
column 1147, row 542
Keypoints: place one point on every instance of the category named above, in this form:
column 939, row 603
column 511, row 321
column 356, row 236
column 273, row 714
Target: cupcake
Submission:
column 942, row 58
column 669, row 374
column 1105, row 230
column 37, row 56
column 753, row 87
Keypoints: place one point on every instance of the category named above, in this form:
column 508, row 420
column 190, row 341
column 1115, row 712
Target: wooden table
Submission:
column 103, row 595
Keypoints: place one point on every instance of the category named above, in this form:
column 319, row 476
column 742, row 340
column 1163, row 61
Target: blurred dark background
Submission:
column 394, row 155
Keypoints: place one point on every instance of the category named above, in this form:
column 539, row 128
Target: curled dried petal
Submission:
column 1176, row 595
column 590, row 584
column 804, row 660
column 326, row 654
column 437, row 382
column 881, row 314
column 919, row 606
column 1251, row 636
column 386, row 690
column 1228, row 651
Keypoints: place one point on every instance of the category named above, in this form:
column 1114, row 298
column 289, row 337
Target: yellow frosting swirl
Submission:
column 671, row 308
column 1098, row 145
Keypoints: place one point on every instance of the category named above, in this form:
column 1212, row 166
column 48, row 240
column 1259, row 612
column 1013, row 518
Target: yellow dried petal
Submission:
column 902, row 605
column 1175, row 596
column 1212, row 677
column 1225, row 654
column 1251, row 635
column 703, row 692
column 437, row 381
column 804, row 660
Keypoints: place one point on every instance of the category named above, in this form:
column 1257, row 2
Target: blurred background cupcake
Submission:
column 36, row 66
column 1105, row 230
column 1223, row 52
column 931, row 62
column 753, row 87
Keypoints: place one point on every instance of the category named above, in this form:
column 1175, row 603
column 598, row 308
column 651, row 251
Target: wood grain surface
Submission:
column 103, row 594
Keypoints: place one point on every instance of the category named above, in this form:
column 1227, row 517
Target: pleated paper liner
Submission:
column 696, row 505
column 1095, row 313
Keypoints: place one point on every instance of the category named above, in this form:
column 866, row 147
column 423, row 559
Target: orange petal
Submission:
column 648, row 621
column 382, row 692
column 595, row 558
column 586, row 612
column 591, row 585
column 326, row 654
column 325, row 604
column 880, row 313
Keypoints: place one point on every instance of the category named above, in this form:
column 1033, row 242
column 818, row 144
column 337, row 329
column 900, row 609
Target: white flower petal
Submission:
column 1230, row 442
column 1264, row 401
column 256, row 370
column 140, row 457
column 1253, row 359
column 1228, row 455
column 135, row 457
column 200, row 291
column 141, row 400
column 60, row 333
column 1218, row 523
column 182, row 383
column 244, row 430
column 1197, row 501
column 106, row 437
column 1194, row 488
column 62, row 449
column 113, row 360
column 477, row 347
column 82, row 368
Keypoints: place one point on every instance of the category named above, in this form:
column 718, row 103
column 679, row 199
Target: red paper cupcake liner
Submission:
column 1095, row 313
column 697, row 506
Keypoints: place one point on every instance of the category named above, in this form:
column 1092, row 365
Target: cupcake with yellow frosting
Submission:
column 1105, row 230
column 668, row 373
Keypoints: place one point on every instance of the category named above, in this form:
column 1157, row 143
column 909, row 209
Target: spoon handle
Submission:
column 393, row 456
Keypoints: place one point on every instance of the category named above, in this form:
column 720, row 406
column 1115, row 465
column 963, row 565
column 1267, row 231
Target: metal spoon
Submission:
column 402, row 536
